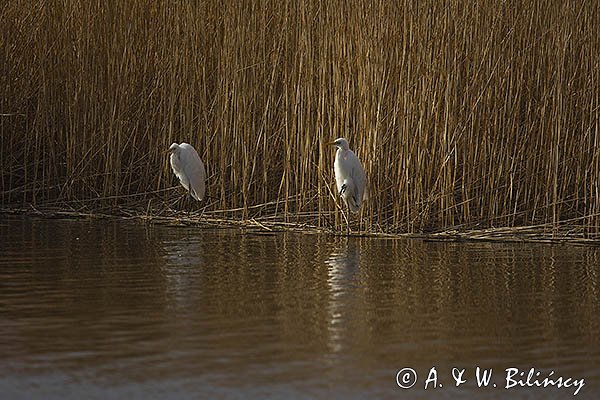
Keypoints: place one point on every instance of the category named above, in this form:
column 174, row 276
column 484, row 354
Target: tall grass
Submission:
column 465, row 113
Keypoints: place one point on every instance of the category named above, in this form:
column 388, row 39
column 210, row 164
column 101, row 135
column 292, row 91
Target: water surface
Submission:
column 113, row 310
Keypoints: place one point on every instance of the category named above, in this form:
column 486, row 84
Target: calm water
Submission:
column 115, row 310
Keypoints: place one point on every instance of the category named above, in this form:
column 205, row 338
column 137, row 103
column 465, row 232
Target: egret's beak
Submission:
column 330, row 143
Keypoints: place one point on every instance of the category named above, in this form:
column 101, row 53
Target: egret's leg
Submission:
column 179, row 200
column 345, row 216
column 190, row 202
column 204, row 208
column 360, row 221
column 348, row 220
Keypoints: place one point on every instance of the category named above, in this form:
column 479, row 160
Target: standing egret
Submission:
column 350, row 176
column 188, row 167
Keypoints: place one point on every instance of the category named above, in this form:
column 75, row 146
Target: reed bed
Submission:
column 466, row 114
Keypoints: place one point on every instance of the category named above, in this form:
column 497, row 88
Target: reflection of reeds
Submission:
column 464, row 113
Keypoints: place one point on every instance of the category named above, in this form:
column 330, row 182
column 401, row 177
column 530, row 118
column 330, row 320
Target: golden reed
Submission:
column 464, row 113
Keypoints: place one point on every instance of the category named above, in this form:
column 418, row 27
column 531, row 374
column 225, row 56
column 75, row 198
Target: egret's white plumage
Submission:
column 188, row 167
column 350, row 177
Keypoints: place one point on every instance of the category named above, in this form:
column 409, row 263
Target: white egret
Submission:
column 350, row 177
column 188, row 167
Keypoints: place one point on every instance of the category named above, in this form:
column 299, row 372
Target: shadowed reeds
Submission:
column 466, row 114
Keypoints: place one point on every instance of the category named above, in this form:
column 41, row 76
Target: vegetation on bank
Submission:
column 465, row 114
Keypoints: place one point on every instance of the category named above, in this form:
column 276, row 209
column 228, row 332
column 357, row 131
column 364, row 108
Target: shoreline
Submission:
column 566, row 234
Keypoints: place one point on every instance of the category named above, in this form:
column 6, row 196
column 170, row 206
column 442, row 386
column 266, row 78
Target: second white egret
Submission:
column 350, row 177
column 188, row 167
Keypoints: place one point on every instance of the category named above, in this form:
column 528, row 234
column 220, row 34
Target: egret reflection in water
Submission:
column 343, row 267
column 183, row 264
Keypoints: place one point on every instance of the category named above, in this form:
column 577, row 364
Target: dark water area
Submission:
column 101, row 309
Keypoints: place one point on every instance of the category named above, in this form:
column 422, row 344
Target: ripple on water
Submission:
column 103, row 309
